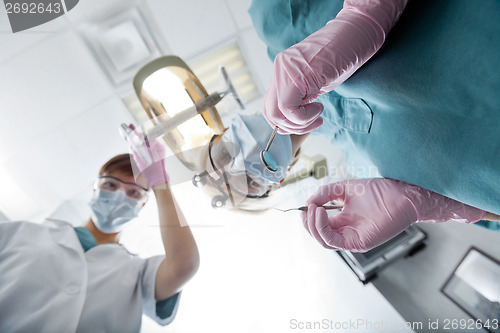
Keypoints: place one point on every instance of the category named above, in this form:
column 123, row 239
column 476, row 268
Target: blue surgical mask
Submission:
column 251, row 134
column 111, row 210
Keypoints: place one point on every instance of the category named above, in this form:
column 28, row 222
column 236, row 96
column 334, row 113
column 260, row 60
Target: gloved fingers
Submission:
column 304, row 126
column 353, row 241
column 275, row 117
column 309, row 221
column 349, row 225
column 313, row 97
column 154, row 147
column 145, row 153
column 333, row 232
column 284, row 106
column 297, row 115
column 328, row 193
column 321, row 230
column 285, row 129
column 311, row 127
column 135, row 140
column 133, row 137
column 300, row 114
column 342, row 233
column 140, row 138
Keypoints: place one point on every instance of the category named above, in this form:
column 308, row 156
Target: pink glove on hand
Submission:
column 149, row 157
column 324, row 60
column 377, row 209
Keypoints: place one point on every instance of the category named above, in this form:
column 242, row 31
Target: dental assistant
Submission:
column 57, row 278
column 417, row 101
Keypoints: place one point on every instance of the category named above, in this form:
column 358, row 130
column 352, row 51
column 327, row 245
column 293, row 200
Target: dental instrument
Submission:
column 304, row 208
column 266, row 156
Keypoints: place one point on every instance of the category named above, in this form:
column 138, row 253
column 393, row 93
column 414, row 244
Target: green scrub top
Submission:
column 426, row 108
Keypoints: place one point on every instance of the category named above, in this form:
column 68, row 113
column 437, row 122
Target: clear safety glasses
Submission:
column 110, row 183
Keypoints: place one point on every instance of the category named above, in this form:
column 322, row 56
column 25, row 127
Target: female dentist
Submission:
column 419, row 104
column 56, row 278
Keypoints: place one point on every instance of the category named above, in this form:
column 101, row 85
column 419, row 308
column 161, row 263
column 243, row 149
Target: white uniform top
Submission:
column 49, row 284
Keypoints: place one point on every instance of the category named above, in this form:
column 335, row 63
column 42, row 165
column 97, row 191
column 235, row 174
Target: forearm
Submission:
column 177, row 237
column 181, row 253
column 491, row 217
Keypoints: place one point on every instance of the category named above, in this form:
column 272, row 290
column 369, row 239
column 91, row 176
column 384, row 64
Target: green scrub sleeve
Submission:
column 490, row 225
column 165, row 308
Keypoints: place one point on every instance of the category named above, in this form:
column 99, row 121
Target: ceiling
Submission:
column 60, row 108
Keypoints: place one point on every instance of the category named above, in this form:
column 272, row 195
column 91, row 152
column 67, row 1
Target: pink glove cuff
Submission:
column 432, row 207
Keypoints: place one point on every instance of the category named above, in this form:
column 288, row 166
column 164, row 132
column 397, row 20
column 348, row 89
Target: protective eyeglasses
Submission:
column 134, row 191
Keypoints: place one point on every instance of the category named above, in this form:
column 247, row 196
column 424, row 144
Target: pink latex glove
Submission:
column 377, row 209
column 149, row 157
column 324, row 60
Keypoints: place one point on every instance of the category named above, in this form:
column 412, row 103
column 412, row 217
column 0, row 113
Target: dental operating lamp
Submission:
column 168, row 124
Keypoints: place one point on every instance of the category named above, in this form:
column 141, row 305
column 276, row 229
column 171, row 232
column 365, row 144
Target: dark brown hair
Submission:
column 119, row 163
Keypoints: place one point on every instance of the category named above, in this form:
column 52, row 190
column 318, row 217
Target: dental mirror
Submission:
column 266, row 156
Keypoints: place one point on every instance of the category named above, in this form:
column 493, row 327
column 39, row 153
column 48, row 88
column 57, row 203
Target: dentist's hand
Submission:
column 324, row 60
column 375, row 210
column 149, row 157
